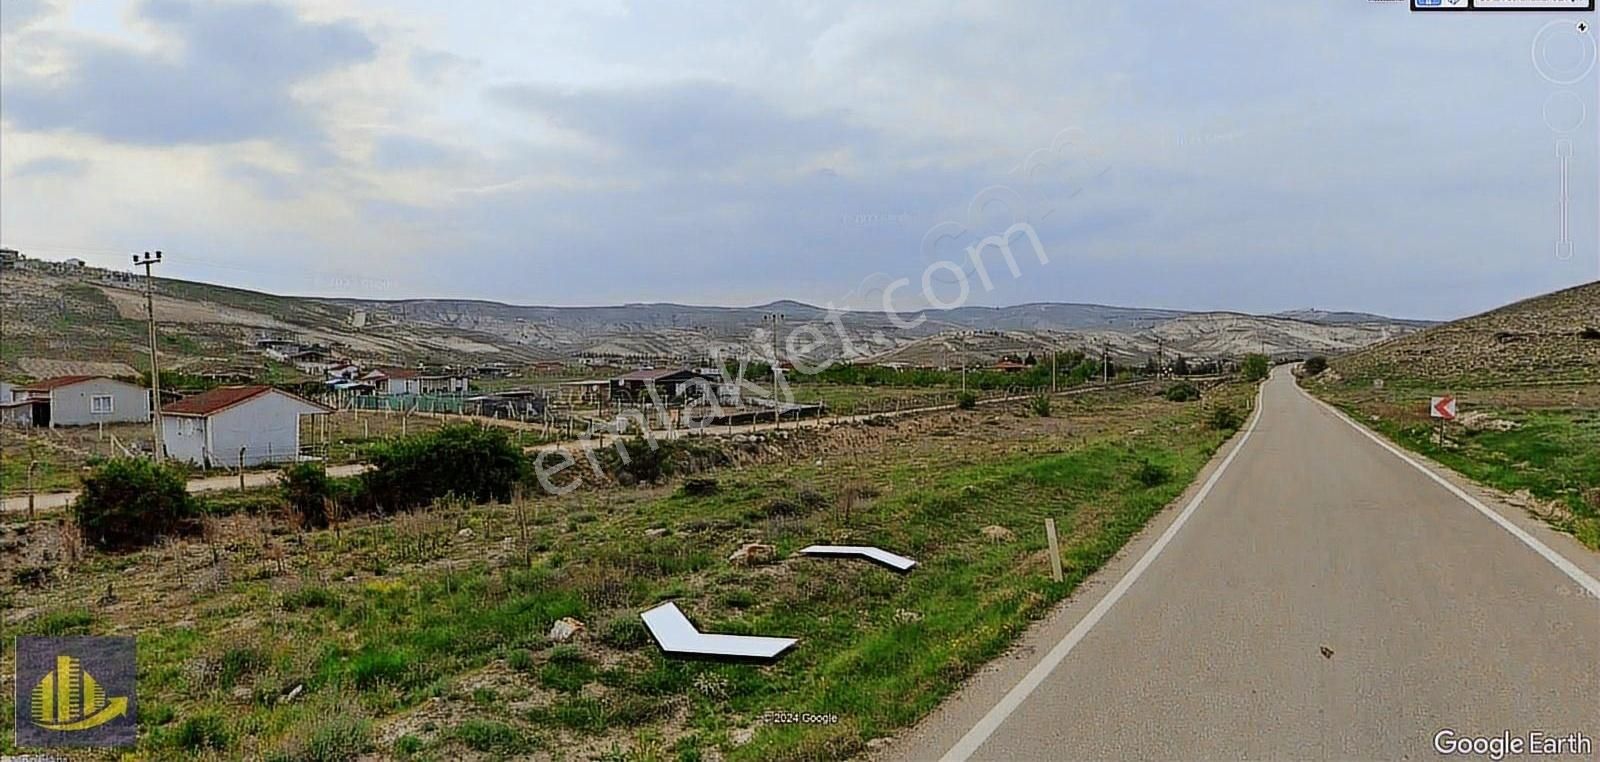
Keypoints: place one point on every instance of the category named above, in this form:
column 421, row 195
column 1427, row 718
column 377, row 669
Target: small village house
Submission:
column 83, row 401
column 669, row 384
column 410, row 381
column 211, row 428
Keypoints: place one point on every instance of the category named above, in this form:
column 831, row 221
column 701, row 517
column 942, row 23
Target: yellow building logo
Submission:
column 69, row 699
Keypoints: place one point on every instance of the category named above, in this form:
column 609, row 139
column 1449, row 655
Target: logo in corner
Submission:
column 75, row 692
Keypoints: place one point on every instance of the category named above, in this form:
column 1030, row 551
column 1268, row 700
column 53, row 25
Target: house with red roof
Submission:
column 233, row 424
column 78, row 401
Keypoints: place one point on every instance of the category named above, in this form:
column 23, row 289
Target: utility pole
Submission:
column 1161, row 357
column 775, row 320
column 1053, row 354
column 1105, row 356
column 148, row 259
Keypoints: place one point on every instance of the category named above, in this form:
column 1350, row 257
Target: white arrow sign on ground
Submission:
column 896, row 562
column 677, row 635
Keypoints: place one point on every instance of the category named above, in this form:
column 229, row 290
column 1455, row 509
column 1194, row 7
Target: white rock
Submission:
column 565, row 629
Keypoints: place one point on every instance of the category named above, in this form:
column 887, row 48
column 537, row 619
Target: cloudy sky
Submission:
column 1342, row 154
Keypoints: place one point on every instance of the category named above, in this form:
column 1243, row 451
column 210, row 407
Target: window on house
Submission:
column 100, row 404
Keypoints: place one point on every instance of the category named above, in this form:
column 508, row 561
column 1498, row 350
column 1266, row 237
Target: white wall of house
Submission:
column 99, row 400
column 267, row 426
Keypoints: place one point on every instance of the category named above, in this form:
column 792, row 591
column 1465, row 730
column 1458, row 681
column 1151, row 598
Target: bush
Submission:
column 1040, row 405
column 1256, row 367
column 1316, row 365
column 308, row 489
column 1183, row 391
column 699, row 486
column 130, row 502
column 202, row 731
column 1225, row 418
column 472, row 462
column 339, row 738
column 640, row 460
column 966, row 400
column 1152, row 474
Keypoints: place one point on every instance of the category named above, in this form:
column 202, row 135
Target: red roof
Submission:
column 206, row 403
column 57, row 382
column 222, row 398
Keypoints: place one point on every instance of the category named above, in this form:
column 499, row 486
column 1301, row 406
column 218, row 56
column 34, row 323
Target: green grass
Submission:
column 1553, row 453
column 877, row 649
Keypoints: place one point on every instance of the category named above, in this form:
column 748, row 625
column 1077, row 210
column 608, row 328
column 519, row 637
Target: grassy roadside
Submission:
column 412, row 638
column 1539, row 444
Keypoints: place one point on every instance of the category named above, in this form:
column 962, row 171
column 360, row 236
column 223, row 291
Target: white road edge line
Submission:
column 1559, row 561
column 991, row 722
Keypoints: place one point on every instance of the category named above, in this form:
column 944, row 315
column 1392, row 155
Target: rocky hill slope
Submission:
column 96, row 315
column 1550, row 338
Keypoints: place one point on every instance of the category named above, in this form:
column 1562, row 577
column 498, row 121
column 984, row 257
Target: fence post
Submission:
column 241, row 468
column 1055, row 549
column 31, row 465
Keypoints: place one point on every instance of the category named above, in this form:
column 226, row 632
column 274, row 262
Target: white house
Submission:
column 409, row 381
column 84, row 401
column 211, row 428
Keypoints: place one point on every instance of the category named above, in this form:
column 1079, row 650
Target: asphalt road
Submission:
column 1323, row 599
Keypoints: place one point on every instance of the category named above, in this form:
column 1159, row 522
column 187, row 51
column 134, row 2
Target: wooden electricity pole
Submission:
column 147, row 259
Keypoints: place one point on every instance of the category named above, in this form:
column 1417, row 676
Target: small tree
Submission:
column 308, row 489
column 473, row 462
column 131, row 502
column 1225, row 418
column 1183, row 391
column 1041, row 405
column 1256, row 367
column 1316, row 365
column 966, row 400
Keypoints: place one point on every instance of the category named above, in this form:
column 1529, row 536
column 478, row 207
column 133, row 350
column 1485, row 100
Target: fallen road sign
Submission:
column 1442, row 407
column 894, row 561
column 677, row 636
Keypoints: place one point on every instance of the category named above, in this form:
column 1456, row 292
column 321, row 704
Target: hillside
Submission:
column 1555, row 337
column 98, row 316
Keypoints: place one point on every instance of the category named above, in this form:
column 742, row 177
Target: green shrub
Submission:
column 640, row 460
column 699, row 486
column 130, row 502
column 492, row 736
column 1040, row 405
column 407, row 745
column 1183, row 391
column 308, row 489
column 966, row 400
column 1152, row 474
column 1256, row 367
column 200, row 732
column 1225, row 418
column 472, row 462
column 1316, row 365
column 339, row 738
column 310, row 597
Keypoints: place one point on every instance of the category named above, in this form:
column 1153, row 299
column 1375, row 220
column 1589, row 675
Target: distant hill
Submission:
column 1325, row 317
column 1555, row 337
column 96, row 315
